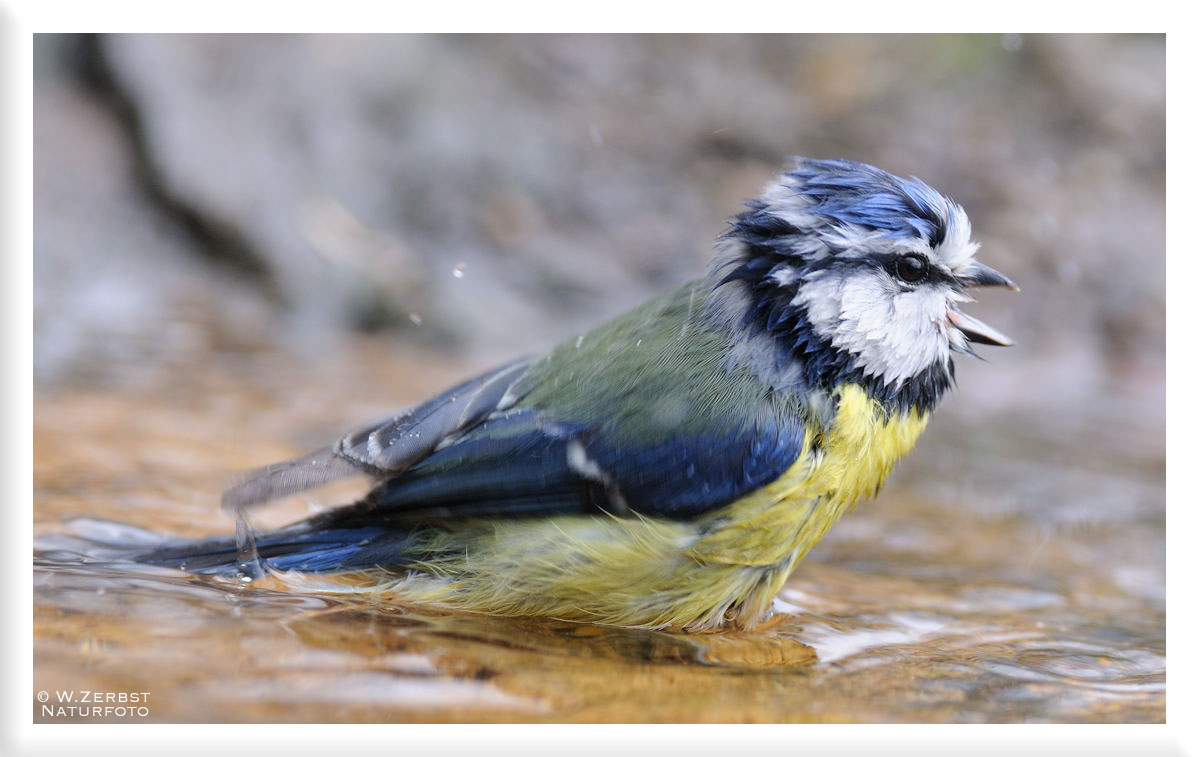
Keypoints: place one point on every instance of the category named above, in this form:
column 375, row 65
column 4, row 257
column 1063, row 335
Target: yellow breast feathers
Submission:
column 786, row 518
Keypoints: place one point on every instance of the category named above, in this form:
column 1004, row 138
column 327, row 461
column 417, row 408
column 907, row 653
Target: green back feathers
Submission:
column 661, row 367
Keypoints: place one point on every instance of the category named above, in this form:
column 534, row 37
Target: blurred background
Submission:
column 499, row 193
column 246, row 244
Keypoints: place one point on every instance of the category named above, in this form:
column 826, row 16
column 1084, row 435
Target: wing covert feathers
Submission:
column 386, row 448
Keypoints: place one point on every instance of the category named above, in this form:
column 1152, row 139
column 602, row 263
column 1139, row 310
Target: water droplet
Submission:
column 249, row 567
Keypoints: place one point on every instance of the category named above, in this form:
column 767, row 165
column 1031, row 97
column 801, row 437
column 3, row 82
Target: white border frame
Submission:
column 21, row 736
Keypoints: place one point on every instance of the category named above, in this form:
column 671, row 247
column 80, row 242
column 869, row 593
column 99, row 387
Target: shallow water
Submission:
column 1013, row 571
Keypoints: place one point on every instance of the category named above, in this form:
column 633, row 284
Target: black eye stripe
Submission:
column 886, row 262
column 892, row 262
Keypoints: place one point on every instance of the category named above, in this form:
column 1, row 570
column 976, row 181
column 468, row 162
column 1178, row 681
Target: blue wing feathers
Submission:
column 520, row 464
column 690, row 475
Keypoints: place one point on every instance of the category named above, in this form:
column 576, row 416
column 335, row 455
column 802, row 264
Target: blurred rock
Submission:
column 116, row 293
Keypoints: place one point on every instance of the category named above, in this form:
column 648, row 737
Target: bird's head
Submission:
column 849, row 273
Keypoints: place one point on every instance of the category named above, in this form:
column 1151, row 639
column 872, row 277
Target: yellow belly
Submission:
column 695, row 575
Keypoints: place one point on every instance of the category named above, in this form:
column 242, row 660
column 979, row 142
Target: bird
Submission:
column 670, row 468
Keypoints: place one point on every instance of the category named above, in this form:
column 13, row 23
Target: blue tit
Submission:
column 669, row 468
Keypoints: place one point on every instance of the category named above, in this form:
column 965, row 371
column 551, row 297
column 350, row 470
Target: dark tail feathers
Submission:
column 297, row 547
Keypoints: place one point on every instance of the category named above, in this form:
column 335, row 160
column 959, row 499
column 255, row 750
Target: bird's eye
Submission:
column 911, row 268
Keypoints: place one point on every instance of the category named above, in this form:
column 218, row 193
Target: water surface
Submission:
column 1013, row 571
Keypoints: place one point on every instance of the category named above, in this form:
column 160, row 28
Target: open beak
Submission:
column 979, row 275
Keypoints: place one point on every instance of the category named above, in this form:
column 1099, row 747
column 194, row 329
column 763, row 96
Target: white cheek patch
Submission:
column 917, row 339
column 893, row 333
